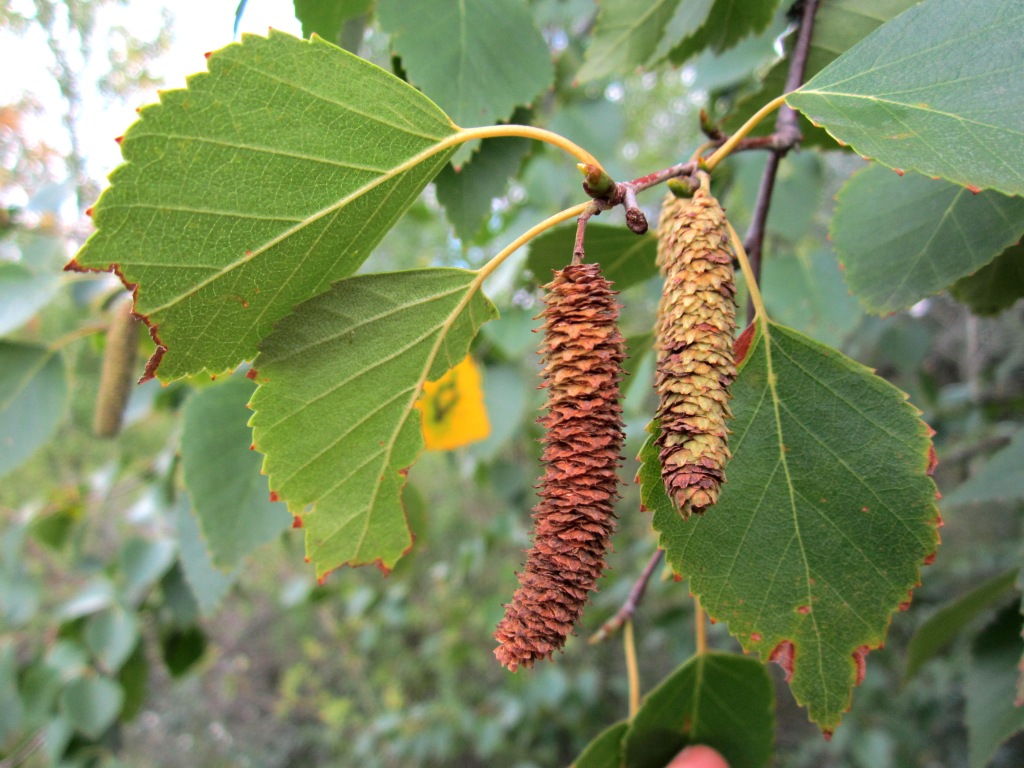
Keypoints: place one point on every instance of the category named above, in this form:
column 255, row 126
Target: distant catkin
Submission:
column 574, row 519
column 116, row 376
column 696, row 323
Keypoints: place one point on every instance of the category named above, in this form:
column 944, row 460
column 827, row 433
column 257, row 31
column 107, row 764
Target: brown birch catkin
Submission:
column 573, row 521
column 116, row 376
column 696, row 323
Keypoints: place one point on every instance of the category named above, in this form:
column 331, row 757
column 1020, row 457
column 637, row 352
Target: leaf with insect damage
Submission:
column 335, row 413
column 268, row 178
column 826, row 517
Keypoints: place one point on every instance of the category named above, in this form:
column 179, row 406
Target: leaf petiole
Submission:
column 526, row 237
column 632, row 669
column 700, row 625
column 75, row 335
column 726, row 149
column 523, row 131
column 748, row 273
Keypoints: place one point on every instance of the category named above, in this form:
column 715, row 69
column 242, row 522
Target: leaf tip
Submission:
column 297, row 521
column 274, row 496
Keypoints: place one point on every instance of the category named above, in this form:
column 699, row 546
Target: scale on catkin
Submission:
column 573, row 521
column 694, row 342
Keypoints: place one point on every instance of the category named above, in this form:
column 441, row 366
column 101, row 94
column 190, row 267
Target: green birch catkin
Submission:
column 117, row 374
column 696, row 323
column 575, row 517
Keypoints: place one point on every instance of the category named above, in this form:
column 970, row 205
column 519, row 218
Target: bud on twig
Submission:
column 574, row 519
column 696, row 323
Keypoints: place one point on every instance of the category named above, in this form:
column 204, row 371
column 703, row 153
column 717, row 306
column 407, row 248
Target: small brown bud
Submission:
column 574, row 519
column 116, row 376
column 696, row 323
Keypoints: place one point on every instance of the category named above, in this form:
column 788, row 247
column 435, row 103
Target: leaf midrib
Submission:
column 776, row 407
column 249, row 255
column 905, row 61
column 906, row 105
column 444, row 328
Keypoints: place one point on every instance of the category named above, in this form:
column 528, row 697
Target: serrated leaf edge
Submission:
column 781, row 654
column 442, row 331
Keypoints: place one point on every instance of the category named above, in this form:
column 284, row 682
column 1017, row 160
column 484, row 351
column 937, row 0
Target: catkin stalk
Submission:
column 694, row 341
column 574, row 519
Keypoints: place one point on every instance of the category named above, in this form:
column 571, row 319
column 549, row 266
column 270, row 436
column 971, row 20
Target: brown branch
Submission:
column 659, row 177
column 786, row 136
column 628, row 609
column 753, row 243
column 22, row 753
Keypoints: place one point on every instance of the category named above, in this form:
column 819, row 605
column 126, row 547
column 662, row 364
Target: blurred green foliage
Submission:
column 121, row 643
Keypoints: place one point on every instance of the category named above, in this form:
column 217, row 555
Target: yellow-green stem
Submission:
column 632, row 669
column 75, row 335
column 701, row 626
column 526, row 237
column 525, row 131
column 748, row 273
column 701, row 150
column 723, row 151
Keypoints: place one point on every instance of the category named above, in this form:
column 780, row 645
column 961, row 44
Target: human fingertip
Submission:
column 698, row 756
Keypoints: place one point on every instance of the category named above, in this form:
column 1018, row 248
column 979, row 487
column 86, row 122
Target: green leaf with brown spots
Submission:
column 827, row 514
column 267, row 179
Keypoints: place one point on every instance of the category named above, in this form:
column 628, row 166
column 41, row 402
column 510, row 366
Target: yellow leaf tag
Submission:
column 453, row 408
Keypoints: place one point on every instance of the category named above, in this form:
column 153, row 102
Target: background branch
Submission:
column 787, row 135
column 628, row 609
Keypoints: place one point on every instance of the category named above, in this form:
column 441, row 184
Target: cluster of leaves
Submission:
column 249, row 201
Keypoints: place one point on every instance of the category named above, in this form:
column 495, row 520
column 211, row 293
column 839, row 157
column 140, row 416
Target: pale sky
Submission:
column 198, row 26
